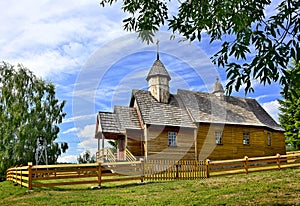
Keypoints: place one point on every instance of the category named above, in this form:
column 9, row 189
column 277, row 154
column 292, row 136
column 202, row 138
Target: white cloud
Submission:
column 55, row 37
column 43, row 64
column 272, row 109
column 71, row 130
column 88, row 132
column 67, row 159
column 87, row 138
column 80, row 118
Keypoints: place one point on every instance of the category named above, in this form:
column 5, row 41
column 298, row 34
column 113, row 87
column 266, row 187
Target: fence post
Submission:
column 29, row 175
column 246, row 164
column 21, row 178
column 99, row 174
column 278, row 161
column 207, row 168
column 177, row 170
column 16, row 173
column 142, row 169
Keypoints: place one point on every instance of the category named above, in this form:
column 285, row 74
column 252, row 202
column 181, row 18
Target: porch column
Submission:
column 195, row 142
column 102, row 142
column 146, row 142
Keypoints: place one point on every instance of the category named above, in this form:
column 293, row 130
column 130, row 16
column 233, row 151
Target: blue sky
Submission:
column 82, row 48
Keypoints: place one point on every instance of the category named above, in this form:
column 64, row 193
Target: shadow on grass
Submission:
column 94, row 187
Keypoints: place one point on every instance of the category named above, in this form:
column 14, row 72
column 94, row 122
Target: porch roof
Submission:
column 118, row 121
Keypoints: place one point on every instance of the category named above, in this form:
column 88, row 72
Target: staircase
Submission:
column 129, row 157
column 106, row 155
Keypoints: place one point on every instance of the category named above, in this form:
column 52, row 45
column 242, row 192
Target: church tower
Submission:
column 158, row 81
column 218, row 89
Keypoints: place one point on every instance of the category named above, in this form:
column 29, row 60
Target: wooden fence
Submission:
column 151, row 170
column 255, row 164
column 71, row 174
column 158, row 170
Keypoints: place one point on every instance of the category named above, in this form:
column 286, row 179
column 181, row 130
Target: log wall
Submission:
column 232, row 146
column 158, row 147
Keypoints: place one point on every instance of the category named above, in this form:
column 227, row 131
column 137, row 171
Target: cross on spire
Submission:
column 157, row 49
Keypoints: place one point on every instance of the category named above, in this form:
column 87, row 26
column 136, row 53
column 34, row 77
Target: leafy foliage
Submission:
column 28, row 111
column 86, row 158
column 263, row 45
column 290, row 108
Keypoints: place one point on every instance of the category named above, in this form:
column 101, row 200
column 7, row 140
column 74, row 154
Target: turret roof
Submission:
column 218, row 88
column 158, row 69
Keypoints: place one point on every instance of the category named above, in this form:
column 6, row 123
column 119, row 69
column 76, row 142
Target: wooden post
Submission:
column 21, row 178
column 30, row 175
column 142, row 170
column 99, row 174
column 246, row 164
column 207, row 168
column 278, row 161
column 177, row 172
column 16, row 173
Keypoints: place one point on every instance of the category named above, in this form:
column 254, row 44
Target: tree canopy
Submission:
column 289, row 116
column 29, row 111
column 86, row 158
column 253, row 45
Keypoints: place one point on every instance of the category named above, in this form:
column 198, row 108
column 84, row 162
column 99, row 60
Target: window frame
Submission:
column 246, row 138
column 219, row 137
column 172, row 139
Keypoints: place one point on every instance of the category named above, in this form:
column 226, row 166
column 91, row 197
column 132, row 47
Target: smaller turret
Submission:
column 218, row 89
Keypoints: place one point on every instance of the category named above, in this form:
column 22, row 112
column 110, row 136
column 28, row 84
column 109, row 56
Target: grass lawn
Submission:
column 263, row 188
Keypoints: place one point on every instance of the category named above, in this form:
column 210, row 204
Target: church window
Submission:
column 246, row 138
column 172, row 136
column 218, row 135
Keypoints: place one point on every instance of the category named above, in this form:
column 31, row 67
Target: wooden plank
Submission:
column 290, row 165
column 25, row 184
column 226, row 161
column 65, row 177
column 120, row 163
column 61, row 171
column 64, row 166
column 121, row 179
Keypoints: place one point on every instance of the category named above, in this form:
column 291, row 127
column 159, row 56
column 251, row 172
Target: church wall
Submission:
column 158, row 147
column 232, row 146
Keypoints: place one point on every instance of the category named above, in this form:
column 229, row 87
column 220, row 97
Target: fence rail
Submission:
column 254, row 164
column 151, row 170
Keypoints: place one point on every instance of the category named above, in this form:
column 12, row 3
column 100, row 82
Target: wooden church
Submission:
column 188, row 125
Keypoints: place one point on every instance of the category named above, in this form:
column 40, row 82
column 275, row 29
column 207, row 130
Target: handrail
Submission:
column 110, row 156
column 129, row 156
column 106, row 154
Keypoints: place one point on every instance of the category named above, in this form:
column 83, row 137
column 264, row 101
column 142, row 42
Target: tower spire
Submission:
column 157, row 49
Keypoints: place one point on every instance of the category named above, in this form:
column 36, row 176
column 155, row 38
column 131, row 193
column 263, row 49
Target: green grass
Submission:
column 263, row 188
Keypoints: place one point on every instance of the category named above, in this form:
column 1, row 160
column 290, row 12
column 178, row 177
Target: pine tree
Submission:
column 289, row 116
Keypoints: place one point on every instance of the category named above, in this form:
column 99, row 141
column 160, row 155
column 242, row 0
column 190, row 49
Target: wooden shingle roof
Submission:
column 128, row 117
column 109, row 122
column 154, row 112
column 158, row 69
column 122, row 118
column 208, row 108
